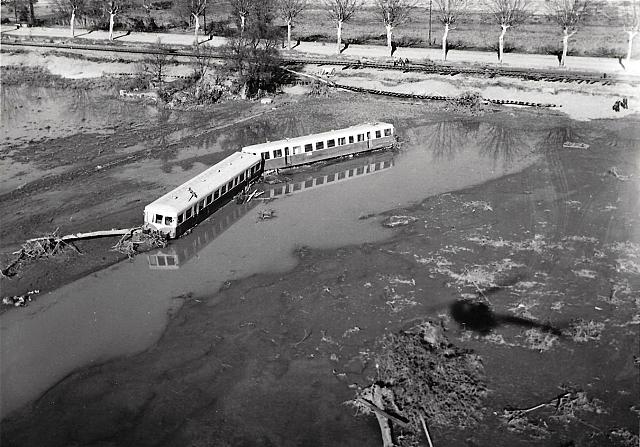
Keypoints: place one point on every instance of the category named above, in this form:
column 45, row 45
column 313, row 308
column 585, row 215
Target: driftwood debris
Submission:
column 130, row 242
column 19, row 300
column 266, row 214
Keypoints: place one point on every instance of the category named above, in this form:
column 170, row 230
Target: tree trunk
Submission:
column 389, row 31
column 631, row 34
column 196, row 27
column 339, row 40
column 289, row 35
column 242, row 18
column 111, row 20
column 32, row 14
column 501, row 43
column 73, row 22
column 444, row 41
column 565, row 47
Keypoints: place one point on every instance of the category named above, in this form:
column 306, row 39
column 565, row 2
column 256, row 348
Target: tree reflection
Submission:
column 446, row 139
column 500, row 143
column 556, row 136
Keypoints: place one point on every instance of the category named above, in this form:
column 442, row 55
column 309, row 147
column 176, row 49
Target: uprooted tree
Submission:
column 394, row 13
column 568, row 14
column 448, row 13
column 508, row 13
column 340, row 12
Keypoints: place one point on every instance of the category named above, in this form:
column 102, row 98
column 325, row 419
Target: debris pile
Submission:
column 423, row 379
column 582, row 331
column 36, row 248
column 140, row 238
column 19, row 300
column 562, row 409
column 266, row 214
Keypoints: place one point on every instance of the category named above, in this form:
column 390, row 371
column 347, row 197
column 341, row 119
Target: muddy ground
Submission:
column 537, row 272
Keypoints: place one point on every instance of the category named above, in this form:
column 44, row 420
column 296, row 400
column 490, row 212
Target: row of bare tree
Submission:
column 568, row 14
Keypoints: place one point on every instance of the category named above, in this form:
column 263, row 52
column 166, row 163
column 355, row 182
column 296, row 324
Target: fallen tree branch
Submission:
column 381, row 412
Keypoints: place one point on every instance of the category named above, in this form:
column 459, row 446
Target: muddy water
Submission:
column 124, row 309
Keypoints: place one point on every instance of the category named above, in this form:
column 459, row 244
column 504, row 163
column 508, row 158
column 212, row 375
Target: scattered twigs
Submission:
column 306, row 336
column 381, row 412
column 556, row 401
column 426, row 430
column 614, row 172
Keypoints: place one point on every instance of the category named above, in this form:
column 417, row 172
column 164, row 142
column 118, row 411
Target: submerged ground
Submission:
column 527, row 253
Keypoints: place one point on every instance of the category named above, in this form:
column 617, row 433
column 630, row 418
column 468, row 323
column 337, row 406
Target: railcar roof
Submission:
column 202, row 184
column 317, row 136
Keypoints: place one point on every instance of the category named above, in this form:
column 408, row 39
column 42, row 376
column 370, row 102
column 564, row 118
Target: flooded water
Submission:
column 112, row 315
column 123, row 309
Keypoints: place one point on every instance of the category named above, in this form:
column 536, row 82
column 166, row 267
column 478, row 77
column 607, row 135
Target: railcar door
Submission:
column 287, row 158
column 368, row 140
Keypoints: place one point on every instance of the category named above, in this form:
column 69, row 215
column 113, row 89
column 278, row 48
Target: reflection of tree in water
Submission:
column 556, row 136
column 500, row 143
column 257, row 131
column 446, row 138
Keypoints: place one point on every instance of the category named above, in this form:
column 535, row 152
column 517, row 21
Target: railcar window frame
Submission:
column 378, row 134
column 158, row 218
column 342, row 141
column 387, row 132
column 277, row 153
column 308, row 147
column 331, row 143
column 168, row 221
column 351, row 139
column 360, row 137
column 319, row 145
column 180, row 218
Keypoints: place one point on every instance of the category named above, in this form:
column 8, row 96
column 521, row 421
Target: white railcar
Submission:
column 190, row 203
column 322, row 146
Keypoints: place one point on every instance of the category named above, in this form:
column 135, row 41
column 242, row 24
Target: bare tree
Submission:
column 289, row 10
column 508, row 13
column 69, row 8
column 393, row 14
column 156, row 64
column 448, row 12
column 241, row 9
column 192, row 9
column 341, row 11
column 568, row 14
column 631, row 25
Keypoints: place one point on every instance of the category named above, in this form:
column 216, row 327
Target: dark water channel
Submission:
column 124, row 309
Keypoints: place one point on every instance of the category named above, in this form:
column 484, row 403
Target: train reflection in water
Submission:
column 182, row 250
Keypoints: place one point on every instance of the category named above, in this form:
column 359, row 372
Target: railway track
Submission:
column 441, row 69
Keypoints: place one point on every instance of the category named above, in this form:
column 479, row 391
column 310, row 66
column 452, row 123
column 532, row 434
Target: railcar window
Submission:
column 168, row 220
column 200, row 205
column 223, row 189
column 351, row 139
column 341, row 175
column 180, row 218
column 229, row 185
column 320, row 145
column 188, row 213
column 159, row 218
column 308, row 147
column 297, row 187
column 320, row 181
column 331, row 143
column 277, row 153
column 286, row 151
column 360, row 137
column 378, row 134
column 266, row 155
column 387, row 132
column 216, row 194
column 342, row 141
column 296, row 150
column 161, row 261
column 208, row 200
column 368, row 135
column 171, row 260
column 308, row 183
column 242, row 177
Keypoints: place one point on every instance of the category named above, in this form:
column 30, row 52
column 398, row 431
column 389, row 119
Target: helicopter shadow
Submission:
column 478, row 317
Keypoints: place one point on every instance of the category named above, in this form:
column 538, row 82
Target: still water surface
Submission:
column 123, row 309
